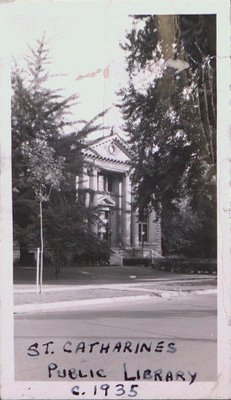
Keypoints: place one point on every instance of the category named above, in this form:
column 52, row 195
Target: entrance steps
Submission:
column 118, row 254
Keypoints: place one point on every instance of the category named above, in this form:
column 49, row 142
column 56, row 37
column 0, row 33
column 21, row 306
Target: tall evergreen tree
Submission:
column 45, row 158
column 38, row 119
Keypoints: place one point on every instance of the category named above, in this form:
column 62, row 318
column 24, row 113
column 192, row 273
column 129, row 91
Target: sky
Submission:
column 83, row 37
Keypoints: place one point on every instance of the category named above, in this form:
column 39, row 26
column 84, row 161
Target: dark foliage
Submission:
column 172, row 130
column 40, row 113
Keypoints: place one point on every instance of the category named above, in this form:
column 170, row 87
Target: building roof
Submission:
column 109, row 148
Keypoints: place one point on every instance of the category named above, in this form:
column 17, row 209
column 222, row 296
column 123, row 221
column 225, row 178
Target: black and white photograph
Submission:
column 115, row 199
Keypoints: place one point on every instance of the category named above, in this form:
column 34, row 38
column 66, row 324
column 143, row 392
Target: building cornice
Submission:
column 108, row 164
column 98, row 157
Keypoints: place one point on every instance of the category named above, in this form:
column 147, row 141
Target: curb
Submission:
column 169, row 294
column 73, row 305
column 128, row 286
column 68, row 305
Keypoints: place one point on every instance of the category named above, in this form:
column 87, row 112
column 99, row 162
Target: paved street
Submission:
column 117, row 340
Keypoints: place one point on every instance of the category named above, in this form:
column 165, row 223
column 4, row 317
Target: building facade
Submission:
column 106, row 185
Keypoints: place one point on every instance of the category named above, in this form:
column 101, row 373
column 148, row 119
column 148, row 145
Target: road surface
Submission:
column 155, row 339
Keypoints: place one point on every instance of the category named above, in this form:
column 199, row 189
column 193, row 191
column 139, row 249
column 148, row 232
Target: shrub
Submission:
column 186, row 265
column 136, row 261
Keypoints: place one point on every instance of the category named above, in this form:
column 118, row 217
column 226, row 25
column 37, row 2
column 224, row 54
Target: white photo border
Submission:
column 221, row 389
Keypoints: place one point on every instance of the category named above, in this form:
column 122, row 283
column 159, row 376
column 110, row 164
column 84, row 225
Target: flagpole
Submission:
column 104, row 89
column 105, row 76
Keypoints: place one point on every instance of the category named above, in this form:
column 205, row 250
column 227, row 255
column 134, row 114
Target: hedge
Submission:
column 185, row 265
column 136, row 261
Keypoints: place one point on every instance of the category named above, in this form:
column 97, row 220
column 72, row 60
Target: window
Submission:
column 143, row 232
column 105, row 183
column 106, row 214
column 109, row 183
column 92, row 195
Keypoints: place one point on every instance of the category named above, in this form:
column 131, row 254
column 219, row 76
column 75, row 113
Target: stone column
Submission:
column 93, row 187
column 155, row 233
column 126, row 210
column 85, row 185
column 120, row 211
column 135, row 229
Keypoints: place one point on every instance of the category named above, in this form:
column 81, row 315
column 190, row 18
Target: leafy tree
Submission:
column 44, row 174
column 169, row 115
column 198, row 35
column 68, row 236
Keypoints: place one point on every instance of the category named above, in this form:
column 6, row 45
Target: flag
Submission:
column 89, row 75
column 106, row 72
column 95, row 73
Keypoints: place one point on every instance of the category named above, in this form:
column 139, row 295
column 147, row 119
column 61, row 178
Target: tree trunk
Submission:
column 41, row 243
column 207, row 113
column 24, row 254
column 168, row 35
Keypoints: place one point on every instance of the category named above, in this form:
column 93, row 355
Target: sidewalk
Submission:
column 63, row 297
